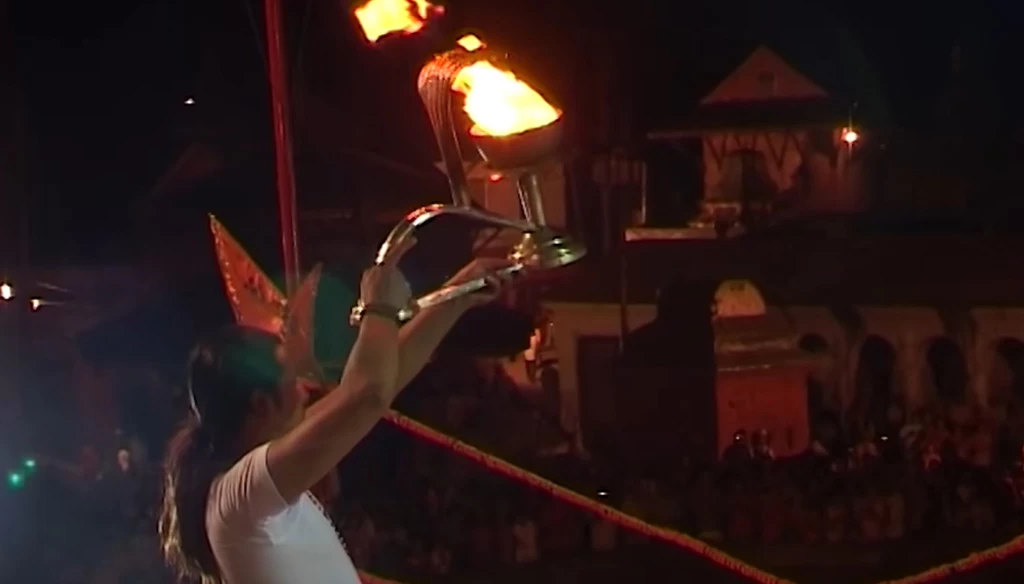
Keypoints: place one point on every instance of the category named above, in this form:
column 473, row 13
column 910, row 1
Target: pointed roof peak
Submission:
column 764, row 76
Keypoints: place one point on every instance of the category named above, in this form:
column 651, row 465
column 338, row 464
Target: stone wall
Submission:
column 974, row 356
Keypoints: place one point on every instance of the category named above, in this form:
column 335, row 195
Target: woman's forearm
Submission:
column 335, row 424
column 418, row 339
column 375, row 356
column 415, row 345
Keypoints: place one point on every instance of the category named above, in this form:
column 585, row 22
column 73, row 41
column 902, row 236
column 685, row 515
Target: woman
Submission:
column 237, row 507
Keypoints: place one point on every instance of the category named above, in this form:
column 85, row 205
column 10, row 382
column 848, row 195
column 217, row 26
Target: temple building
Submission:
column 773, row 145
column 855, row 319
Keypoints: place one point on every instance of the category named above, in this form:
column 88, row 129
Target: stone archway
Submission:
column 947, row 368
column 1006, row 372
column 874, row 383
column 814, row 344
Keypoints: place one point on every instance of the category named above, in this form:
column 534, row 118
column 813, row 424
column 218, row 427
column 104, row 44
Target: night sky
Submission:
column 104, row 85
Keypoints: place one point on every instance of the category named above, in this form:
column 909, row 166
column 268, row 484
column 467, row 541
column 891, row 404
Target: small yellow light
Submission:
column 35, row 303
column 6, row 291
column 496, row 177
column 850, row 136
column 470, row 43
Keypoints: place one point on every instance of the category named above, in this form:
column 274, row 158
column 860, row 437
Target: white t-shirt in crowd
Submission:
column 258, row 538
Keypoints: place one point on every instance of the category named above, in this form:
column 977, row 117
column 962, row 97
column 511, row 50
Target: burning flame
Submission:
column 382, row 17
column 498, row 103
column 470, row 43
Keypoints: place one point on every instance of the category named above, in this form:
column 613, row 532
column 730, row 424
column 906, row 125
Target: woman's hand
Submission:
column 384, row 284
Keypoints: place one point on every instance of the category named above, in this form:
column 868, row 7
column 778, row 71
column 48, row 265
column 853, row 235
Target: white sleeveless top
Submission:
column 258, row 538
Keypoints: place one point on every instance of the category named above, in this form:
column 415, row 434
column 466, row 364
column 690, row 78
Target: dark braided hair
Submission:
column 224, row 372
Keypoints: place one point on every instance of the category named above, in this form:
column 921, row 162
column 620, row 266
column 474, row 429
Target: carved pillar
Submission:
column 962, row 328
column 848, row 375
column 839, row 374
column 979, row 368
column 831, row 380
column 911, row 372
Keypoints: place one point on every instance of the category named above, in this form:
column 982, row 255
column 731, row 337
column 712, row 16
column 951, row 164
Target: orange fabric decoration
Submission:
column 254, row 297
column 299, row 328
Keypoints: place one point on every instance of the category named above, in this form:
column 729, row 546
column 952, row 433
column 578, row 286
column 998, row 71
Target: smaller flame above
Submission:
column 470, row 43
column 379, row 18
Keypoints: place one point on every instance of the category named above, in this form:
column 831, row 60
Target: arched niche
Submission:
column 874, row 383
column 946, row 369
column 814, row 344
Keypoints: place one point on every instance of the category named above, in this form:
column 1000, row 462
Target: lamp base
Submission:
column 546, row 249
column 526, row 149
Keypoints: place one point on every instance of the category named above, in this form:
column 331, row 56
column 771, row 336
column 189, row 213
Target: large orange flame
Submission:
column 382, row 17
column 498, row 103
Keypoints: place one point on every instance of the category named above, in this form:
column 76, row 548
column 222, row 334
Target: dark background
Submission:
column 99, row 90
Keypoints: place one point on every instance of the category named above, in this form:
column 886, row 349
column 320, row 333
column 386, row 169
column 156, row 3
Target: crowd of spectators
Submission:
column 901, row 493
column 90, row 520
column 950, row 473
column 945, row 481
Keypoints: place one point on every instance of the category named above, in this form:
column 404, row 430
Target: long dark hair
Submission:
column 224, row 372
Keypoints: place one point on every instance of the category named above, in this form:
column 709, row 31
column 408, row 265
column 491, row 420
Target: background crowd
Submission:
column 900, row 497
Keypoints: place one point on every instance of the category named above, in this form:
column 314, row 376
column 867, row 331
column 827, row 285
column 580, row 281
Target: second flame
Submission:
column 379, row 18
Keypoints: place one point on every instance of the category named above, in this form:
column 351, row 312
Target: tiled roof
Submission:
column 781, row 113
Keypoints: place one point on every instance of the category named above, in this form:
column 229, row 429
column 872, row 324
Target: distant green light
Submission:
column 15, row 479
column 30, row 463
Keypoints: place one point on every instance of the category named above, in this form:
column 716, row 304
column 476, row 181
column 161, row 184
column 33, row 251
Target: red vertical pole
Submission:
column 277, row 63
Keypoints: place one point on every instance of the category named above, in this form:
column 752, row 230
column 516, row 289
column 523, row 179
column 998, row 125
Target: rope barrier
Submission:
column 569, row 496
column 971, row 562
